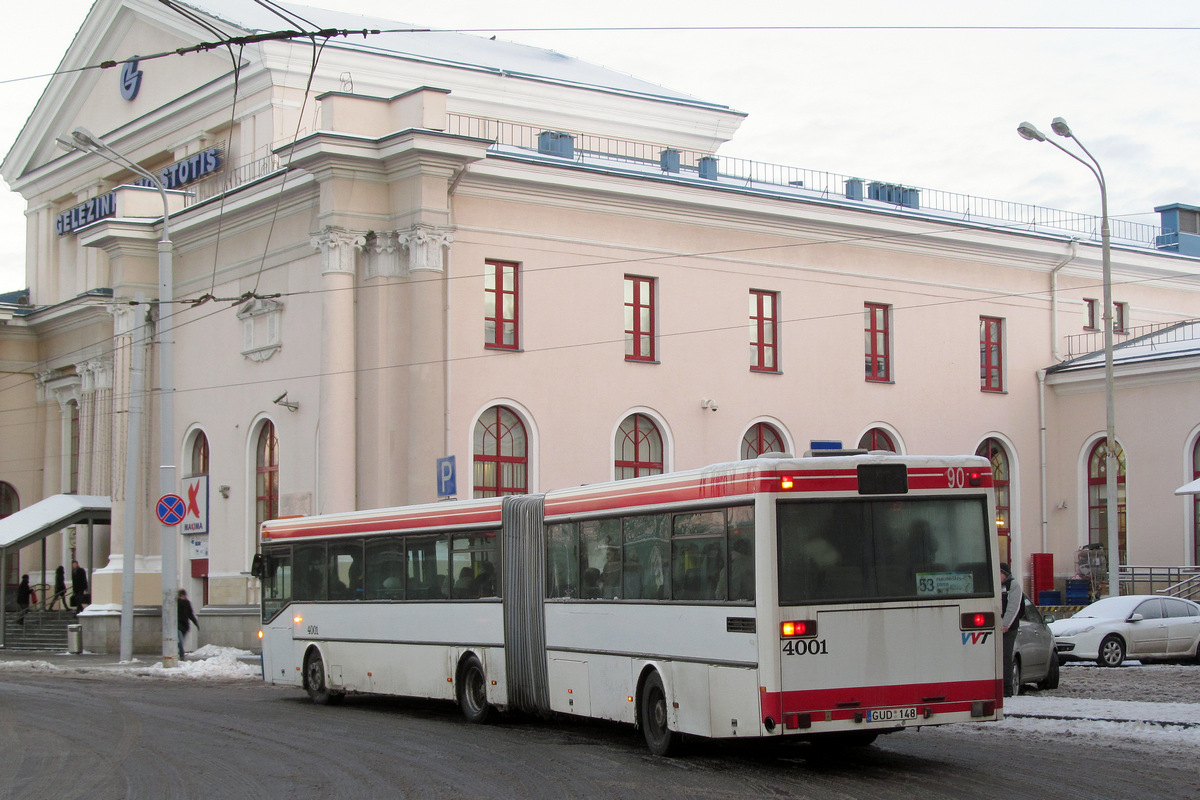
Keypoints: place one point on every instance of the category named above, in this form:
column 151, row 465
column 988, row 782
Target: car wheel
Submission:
column 1051, row 679
column 1016, row 675
column 1112, row 651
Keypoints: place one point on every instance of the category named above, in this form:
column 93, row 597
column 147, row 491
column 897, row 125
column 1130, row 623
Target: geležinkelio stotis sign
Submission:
column 181, row 173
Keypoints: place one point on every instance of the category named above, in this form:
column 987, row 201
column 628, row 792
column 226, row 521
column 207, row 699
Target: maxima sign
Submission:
column 181, row 173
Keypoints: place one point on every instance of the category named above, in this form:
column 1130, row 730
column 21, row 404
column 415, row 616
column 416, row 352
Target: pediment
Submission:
column 114, row 31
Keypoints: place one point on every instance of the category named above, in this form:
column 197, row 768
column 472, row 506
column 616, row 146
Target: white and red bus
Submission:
column 842, row 596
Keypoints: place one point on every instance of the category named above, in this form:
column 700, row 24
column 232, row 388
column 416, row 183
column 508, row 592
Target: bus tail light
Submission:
column 977, row 620
column 786, row 483
column 975, row 478
column 797, row 629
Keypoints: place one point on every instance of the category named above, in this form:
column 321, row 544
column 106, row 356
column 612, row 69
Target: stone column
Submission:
column 337, row 468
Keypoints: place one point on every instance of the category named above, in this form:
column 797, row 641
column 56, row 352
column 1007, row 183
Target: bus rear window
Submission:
column 869, row 550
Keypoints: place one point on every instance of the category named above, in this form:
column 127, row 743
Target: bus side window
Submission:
column 741, row 553
column 600, row 550
column 562, row 560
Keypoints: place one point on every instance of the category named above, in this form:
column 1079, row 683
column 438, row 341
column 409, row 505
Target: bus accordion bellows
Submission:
column 837, row 598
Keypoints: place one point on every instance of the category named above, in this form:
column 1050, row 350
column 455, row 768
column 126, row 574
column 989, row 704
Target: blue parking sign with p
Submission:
column 446, row 479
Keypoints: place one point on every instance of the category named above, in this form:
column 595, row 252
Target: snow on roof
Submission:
column 50, row 515
column 442, row 47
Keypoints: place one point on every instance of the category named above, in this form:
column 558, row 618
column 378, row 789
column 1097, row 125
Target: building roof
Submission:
column 448, row 48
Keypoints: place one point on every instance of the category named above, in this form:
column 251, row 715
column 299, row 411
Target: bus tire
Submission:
column 652, row 716
column 472, row 691
column 315, row 684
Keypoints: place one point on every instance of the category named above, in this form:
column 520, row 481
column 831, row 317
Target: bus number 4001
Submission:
column 805, row 647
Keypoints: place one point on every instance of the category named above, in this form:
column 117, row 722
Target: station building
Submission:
column 394, row 248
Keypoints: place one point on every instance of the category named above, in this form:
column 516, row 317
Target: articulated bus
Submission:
column 829, row 598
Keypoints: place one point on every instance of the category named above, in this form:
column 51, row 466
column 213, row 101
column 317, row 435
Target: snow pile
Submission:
column 207, row 663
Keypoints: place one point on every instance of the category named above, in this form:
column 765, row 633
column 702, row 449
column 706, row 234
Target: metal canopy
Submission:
column 1189, row 488
column 32, row 524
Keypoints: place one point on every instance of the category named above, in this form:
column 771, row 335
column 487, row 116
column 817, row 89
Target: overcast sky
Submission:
column 934, row 108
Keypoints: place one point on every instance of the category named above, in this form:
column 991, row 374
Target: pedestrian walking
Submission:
column 1011, row 601
column 60, row 588
column 25, row 596
column 79, row 587
column 185, row 617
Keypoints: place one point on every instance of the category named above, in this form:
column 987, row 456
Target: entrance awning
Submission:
column 1189, row 488
column 48, row 516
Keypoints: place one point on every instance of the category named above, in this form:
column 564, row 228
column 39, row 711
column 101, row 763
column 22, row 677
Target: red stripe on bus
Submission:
column 315, row 526
column 843, row 703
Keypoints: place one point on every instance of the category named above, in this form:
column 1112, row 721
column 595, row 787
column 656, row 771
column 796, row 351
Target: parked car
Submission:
column 1035, row 659
column 1142, row 627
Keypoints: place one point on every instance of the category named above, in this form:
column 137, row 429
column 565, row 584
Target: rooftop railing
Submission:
column 1080, row 344
column 797, row 181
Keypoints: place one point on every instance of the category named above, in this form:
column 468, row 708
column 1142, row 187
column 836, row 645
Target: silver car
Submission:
column 1035, row 659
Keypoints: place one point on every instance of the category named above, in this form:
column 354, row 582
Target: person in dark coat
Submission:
column 79, row 587
column 24, row 592
column 185, row 617
column 60, row 588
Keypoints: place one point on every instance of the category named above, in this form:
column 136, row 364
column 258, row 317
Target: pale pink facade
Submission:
column 346, row 268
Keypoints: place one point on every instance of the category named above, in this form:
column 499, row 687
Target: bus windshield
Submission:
column 844, row 551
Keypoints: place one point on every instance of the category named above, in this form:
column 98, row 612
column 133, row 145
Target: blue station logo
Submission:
column 131, row 79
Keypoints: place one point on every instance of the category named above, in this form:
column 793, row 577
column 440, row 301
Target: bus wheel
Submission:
column 314, row 682
column 652, row 716
column 472, row 691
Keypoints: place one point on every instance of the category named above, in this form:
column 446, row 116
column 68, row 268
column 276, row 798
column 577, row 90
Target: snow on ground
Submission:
column 1081, row 707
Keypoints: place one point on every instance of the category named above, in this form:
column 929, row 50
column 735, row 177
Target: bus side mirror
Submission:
column 256, row 566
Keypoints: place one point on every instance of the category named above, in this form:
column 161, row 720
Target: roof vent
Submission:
column 556, row 143
column 708, row 167
column 669, row 160
column 854, row 189
column 1180, row 229
column 894, row 193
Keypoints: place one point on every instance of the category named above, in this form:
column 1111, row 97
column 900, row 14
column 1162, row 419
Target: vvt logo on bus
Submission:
column 976, row 637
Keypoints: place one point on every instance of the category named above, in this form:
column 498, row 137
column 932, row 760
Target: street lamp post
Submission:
column 81, row 139
column 1111, row 464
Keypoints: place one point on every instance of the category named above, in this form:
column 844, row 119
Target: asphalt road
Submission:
column 116, row 735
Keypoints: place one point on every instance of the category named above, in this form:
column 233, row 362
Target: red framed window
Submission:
column 199, row 454
column 993, row 450
column 639, row 448
column 764, row 331
column 73, row 408
column 639, row 318
column 877, row 333
column 877, row 439
column 1195, row 503
column 501, row 299
column 501, row 461
column 761, row 438
column 991, row 354
column 1093, row 314
column 1098, row 498
column 266, row 469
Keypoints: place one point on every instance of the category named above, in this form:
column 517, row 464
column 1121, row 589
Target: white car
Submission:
column 1139, row 626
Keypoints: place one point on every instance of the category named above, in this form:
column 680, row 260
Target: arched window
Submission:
column 9, row 502
column 993, row 450
column 638, row 447
column 1098, row 498
column 73, row 410
column 501, row 459
column 266, row 469
column 199, row 461
column 761, row 438
column 1196, row 504
column 877, row 439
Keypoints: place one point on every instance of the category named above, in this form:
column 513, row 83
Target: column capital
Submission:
column 338, row 248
